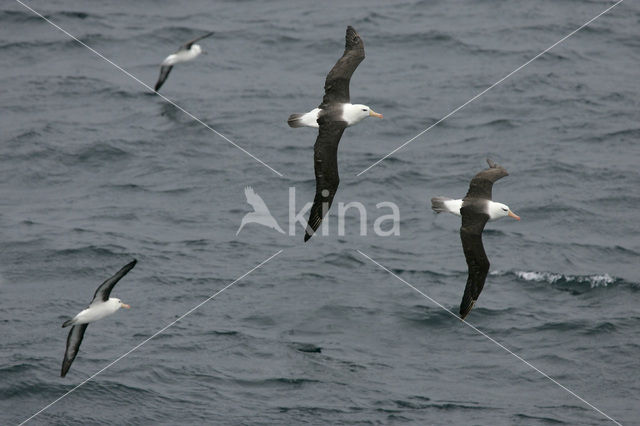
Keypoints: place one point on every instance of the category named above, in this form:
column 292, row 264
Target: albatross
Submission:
column 335, row 113
column 476, row 209
column 101, row 306
column 186, row 52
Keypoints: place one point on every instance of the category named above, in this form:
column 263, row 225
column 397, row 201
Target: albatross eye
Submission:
column 364, row 109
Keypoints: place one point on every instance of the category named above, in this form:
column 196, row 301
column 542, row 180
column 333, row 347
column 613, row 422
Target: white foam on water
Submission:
column 598, row 280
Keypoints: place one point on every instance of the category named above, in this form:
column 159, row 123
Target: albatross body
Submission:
column 101, row 306
column 187, row 52
column 335, row 113
column 348, row 113
column 476, row 209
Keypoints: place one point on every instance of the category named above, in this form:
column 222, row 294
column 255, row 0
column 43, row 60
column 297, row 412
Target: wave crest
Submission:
column 598, row 280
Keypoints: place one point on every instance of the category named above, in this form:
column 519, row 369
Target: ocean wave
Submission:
column 24, row 15
column 54, row 45
column 422, row 402
column 598, row 280
column 278, row 382
column 17, row 16
column 577, row 283
column 69, row 14
column 306, row 347
column 343, row 259
column 426, row 315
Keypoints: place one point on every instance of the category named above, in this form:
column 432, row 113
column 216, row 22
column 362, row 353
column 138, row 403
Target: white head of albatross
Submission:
column 355, row 113
column 499, row 210
column 119, row 302
column 196, row 50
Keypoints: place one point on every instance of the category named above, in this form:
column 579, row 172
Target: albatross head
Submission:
column 118, row 303
column 196, row 49
column 498, row 210
column 354, row 113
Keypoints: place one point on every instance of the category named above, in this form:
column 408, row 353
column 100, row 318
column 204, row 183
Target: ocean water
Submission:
column 95, row 171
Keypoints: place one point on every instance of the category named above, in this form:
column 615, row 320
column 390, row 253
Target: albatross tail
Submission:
column 437, row 204
column 444, row 204
column 295, row 120
column 309, row 119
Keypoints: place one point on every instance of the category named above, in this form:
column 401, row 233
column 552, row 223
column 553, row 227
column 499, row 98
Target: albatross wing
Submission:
column 102, row 293
column 336, row 86
column 473, row 222
column 73, row 344
column 188, row 44
column 482, row 183
column 325, row 159
column 164, row 73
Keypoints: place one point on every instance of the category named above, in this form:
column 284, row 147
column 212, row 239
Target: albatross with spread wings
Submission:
column 101, row 306
column 187, row 52
column 476, row 209
column 334, row 114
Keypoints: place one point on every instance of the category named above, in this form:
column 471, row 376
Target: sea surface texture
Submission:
column 96, row 170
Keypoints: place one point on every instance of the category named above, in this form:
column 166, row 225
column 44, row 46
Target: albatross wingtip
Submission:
column 352, row 38
column 465, row 307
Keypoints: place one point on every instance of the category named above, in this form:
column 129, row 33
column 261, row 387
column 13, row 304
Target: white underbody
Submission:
column 351, row 114
column 182, row 56
column 494, row 210
column 97, row 311
column 310, row 119
column 453, row 206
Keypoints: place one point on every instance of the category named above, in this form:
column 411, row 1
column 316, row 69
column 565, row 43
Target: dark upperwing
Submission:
column 73, row 344
column 473, row 222
column 188, row 44
column 336, row 86
column 103, row 292
column 164, row 73
column 325, row 159
column 482, row 183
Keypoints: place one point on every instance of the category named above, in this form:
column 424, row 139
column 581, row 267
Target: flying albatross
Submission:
column 101, row 306
column 334, row 114
column 187, row 52
column 476, row 208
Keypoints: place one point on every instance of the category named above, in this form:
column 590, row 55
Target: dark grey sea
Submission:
column 96, row 170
